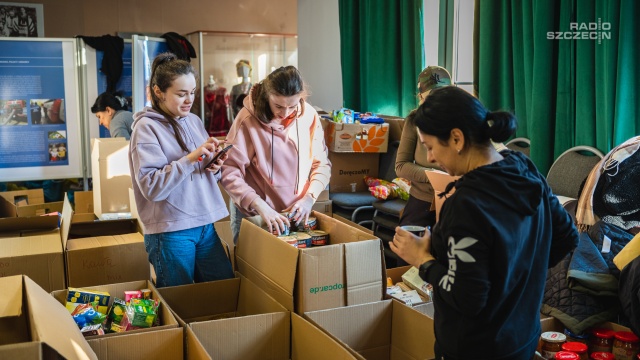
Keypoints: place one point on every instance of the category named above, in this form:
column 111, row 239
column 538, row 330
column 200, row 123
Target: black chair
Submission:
column 520, row 144
column 571, row 168
column 386, row 214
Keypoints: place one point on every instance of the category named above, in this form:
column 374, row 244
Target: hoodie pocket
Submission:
column 179, row 206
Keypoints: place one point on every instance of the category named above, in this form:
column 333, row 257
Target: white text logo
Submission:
column 583, row 31
column 455, row 250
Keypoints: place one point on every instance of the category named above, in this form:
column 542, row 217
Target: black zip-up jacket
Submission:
column 496, row 237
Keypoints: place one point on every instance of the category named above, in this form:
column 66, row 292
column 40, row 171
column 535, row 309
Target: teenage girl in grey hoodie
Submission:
column 177, row 198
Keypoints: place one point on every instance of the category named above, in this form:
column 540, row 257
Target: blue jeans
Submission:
column 235, row 217
column 184, row 256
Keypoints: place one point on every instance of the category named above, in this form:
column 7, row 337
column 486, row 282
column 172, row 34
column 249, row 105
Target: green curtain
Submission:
column 565, row 92
column 381, row 51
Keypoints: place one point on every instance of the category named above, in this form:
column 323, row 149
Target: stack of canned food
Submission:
column 304, row 235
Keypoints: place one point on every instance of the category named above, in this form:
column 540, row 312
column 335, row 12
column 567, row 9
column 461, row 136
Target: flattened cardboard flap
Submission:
column 310, row 343
column 11, row 299
column 49, row 319
column 364, row 277
column 268, row 262
column 349, row 324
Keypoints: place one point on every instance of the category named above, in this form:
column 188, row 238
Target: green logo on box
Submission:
column 317, row 289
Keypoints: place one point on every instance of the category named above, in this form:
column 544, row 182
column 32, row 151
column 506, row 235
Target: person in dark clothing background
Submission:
column 488, row 254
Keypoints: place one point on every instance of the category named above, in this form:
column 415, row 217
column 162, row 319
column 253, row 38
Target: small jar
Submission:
column 626, row 345
column 601, row 340
column 566, row 355
column 578, row 348
column 573, row 337
column 551, row 343
column 601, row 355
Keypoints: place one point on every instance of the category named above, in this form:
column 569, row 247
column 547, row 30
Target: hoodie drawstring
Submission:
column 295, row 190
column 196, row 145
column 271, row 173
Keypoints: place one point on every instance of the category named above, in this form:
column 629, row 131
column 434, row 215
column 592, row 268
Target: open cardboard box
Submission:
column 33, row 325
column 348, row 271
column 230, row 319
column 102, row 252
column 378, row 330
column 23, row 210
column 351, row 168
column 35, row 254
column 167, row 320
column 357, row 137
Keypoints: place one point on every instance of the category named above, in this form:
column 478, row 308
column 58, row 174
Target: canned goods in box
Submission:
column 311, row 224
column 289, row 239
column 304, row 240
column 319, row 237
column 274, row 231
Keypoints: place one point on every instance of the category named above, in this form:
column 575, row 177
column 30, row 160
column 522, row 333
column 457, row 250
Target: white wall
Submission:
column 319, row 52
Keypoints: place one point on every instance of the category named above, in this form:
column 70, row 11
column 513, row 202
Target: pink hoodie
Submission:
column 267, row 162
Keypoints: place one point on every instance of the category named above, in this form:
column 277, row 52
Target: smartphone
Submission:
column 218, row 154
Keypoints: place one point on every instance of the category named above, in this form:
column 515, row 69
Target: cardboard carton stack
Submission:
column 24, row 210
column 101, row 252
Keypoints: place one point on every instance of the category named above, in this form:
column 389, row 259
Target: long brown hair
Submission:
column 283, row 81
column 167, row 67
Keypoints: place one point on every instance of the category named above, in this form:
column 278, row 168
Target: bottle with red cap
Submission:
column 578, row 348
column 626, row 345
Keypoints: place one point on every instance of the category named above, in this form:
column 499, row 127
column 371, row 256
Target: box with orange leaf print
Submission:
column 361, row 138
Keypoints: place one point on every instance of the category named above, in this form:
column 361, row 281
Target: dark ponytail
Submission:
column 117, row 101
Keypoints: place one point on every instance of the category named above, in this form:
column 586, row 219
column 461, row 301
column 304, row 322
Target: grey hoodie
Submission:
column 171, row 192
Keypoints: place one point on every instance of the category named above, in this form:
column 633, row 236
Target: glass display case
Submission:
column 221, row 63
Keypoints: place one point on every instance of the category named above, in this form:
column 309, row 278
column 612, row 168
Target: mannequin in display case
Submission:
column 243, row 68
column 216, row 109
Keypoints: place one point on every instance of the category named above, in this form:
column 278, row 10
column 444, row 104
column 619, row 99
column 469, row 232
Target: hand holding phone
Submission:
column 217, row 156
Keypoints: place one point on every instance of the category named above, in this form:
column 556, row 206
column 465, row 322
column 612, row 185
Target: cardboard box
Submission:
column 30, row 318
column 396, row 273
column 230, row 319
column 310, row 343
column 439, row 180
column 359, row 138
column 111, row 175
column 350, row 168
column 38, row 255
column 102, row 252
column 22, row 210
column 167, row 320
column 348, row 271
column 325, row 207
column 160, row 344
column 378, row 330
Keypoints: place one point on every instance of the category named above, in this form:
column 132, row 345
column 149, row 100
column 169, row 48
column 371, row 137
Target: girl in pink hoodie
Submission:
column 279, row 159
